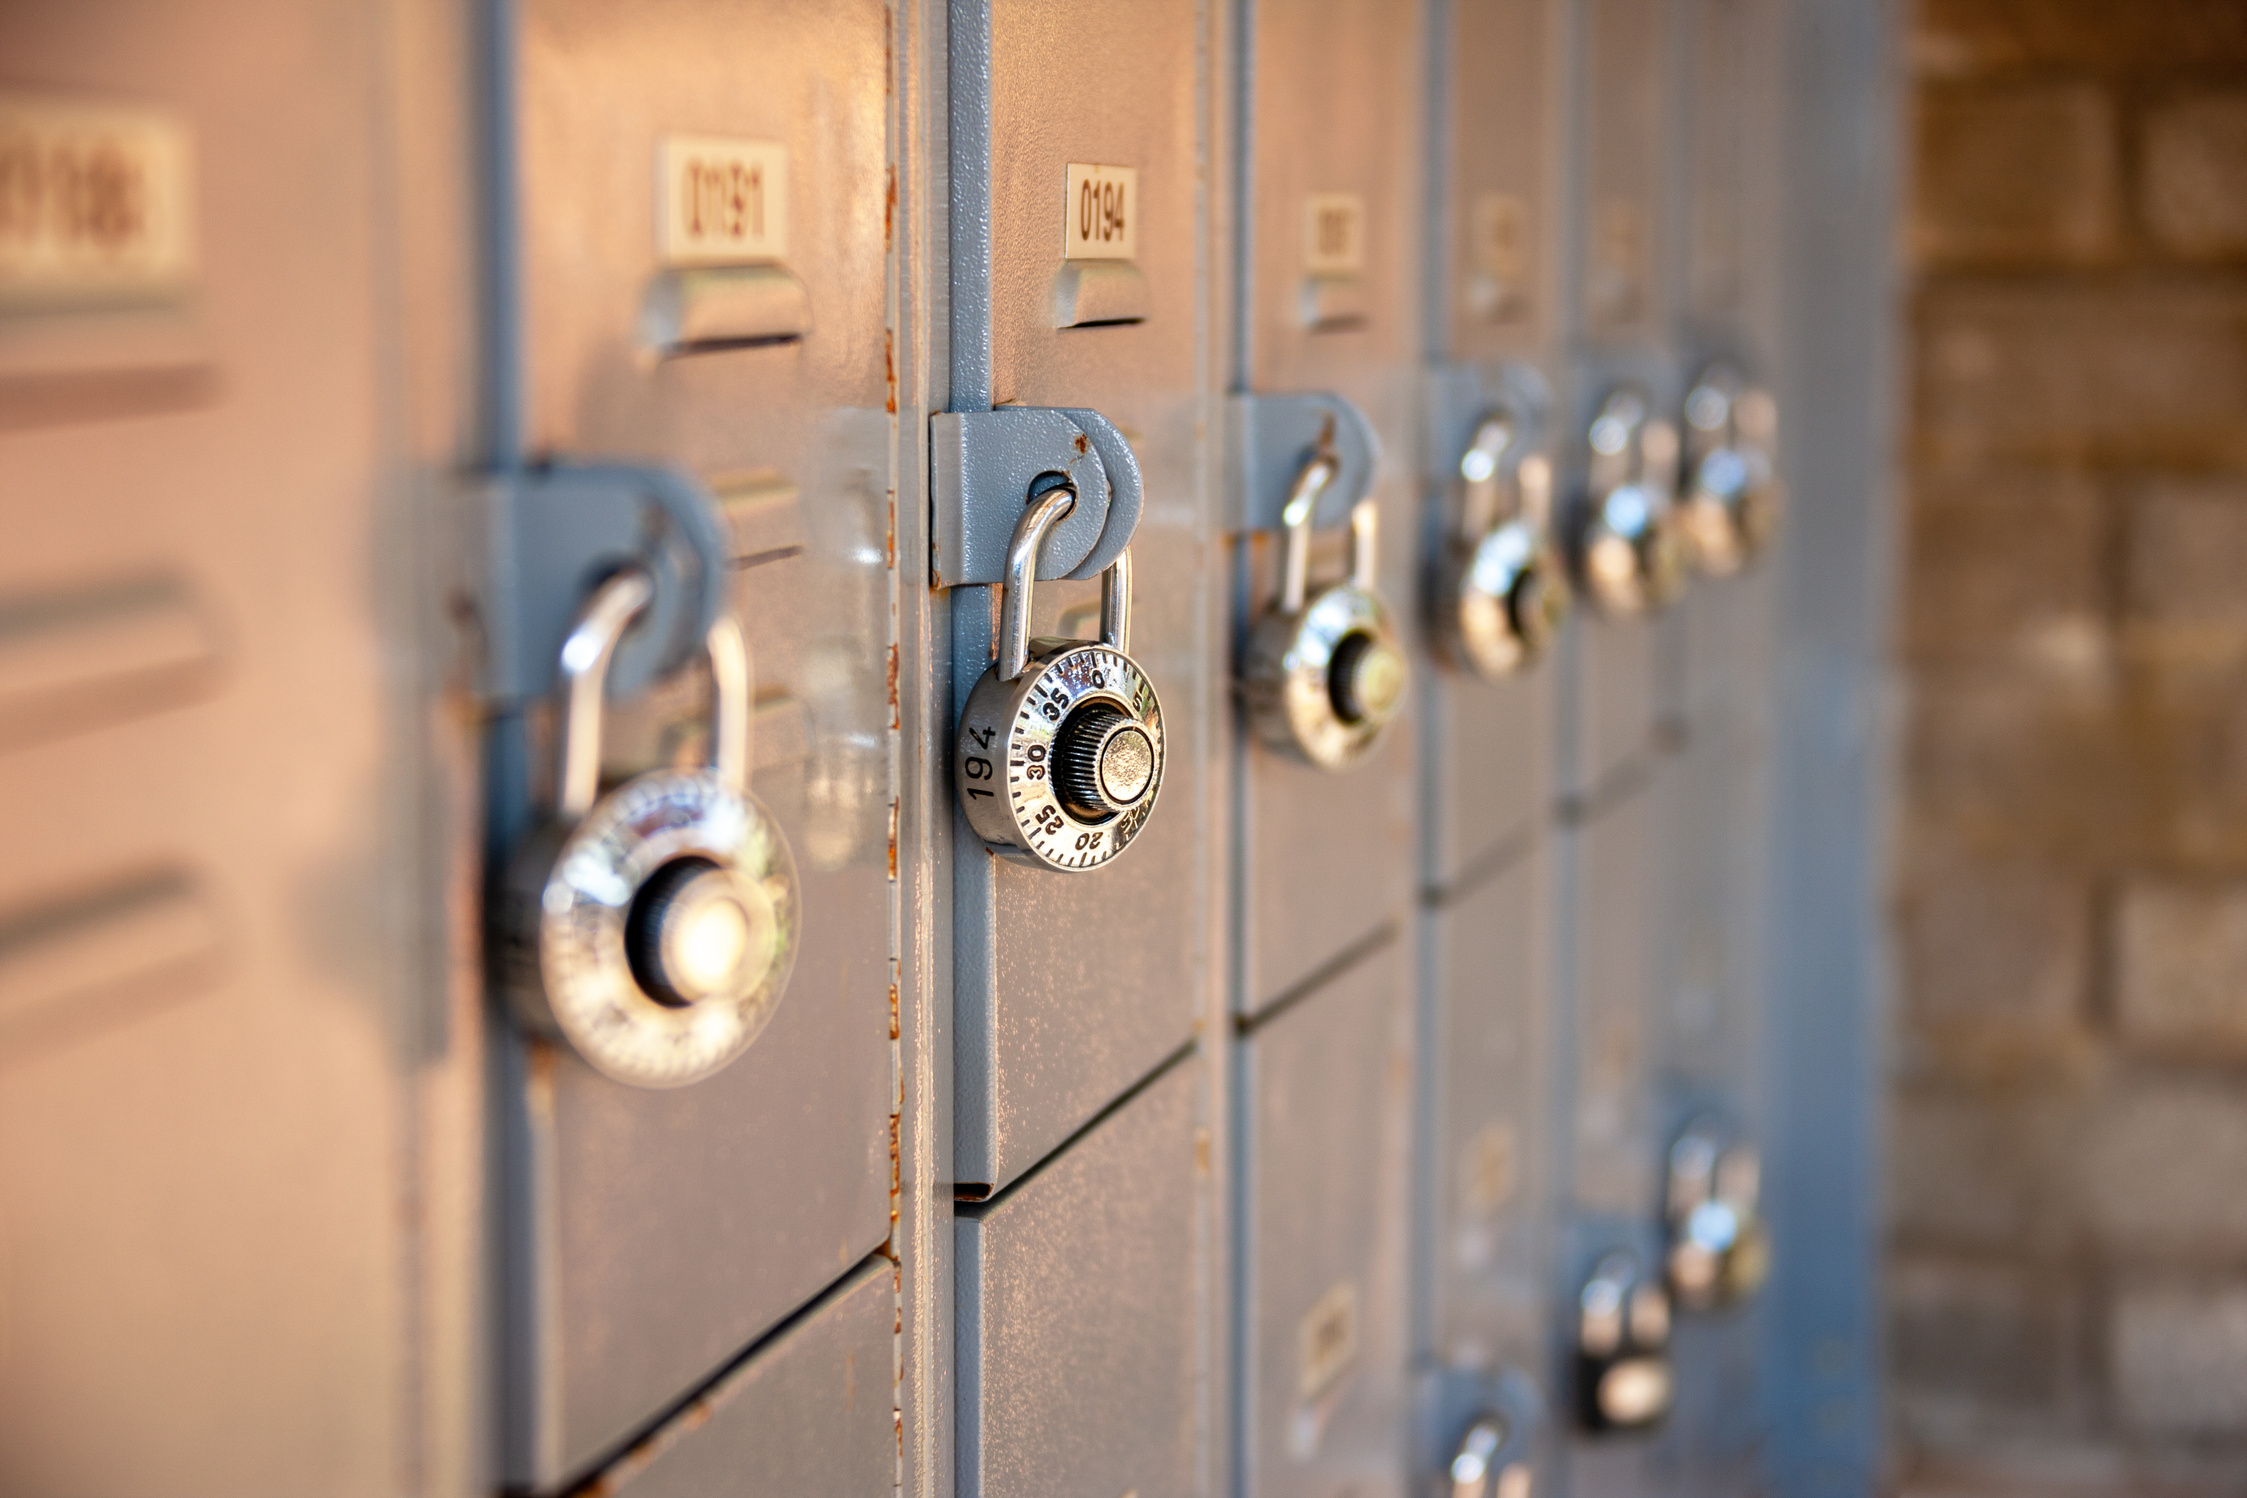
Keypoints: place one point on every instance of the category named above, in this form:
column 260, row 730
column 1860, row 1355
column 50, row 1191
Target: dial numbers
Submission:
column 1008, row 745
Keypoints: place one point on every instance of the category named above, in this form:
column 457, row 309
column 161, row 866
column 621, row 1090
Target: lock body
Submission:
column 1624, row 1376
column 657, row 985
column 1059, row 767
column 1059, row 755
column 1629, row 546
column 1732, row 498
column 1720, row 1249
column 1325, row 681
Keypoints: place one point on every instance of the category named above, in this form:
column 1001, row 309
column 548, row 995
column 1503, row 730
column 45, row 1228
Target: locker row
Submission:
column 780, row 747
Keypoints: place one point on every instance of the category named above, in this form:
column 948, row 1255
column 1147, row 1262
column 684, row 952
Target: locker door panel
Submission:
column 1489, row 1184
column 1081, row 1346
column 704, row 285
column 1617, row 945
column 1095, row 978
column 208, row 994
column 811, row 1411
column 1325, row 1084
column 1327, row 857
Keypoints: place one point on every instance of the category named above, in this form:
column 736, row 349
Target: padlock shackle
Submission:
column 586, row 654
column 1295, row 522
column 1115, row 603
column 1365, row 527
column 1482, row 470
column 1046, row 507
column 733, row 686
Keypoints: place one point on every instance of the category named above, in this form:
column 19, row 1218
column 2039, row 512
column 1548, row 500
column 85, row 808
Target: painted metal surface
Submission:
column 1324, row 1091
column 1069, row 989
column 812, row 1409
column 630, row 1213
column 1084, row 1297
column 1325, row 860
column 1486, row 1104
column 224, row 948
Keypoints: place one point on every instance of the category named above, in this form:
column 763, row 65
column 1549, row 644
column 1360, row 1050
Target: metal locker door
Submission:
column 1608, row 1061
column 223, row 970
column 1084, row 1300
column 1085, row 289
column 1486, row 720
column 701, row 190
column 812, row 1410
column 1327, row 199
column 1319, row 1409
column 1487, row 1231
column 1620, row 407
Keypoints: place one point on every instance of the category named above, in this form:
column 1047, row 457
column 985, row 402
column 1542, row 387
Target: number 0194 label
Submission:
column 721, row 201
column 1102, row 219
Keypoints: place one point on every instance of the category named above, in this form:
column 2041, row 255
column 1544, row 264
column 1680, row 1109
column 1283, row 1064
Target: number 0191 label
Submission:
column 1102, row 219
column 721, row 201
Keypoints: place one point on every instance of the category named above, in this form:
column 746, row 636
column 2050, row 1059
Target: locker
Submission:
column 703, row 272
column 1082, row 1346
column 1321, row 1243
column 1072, row 987
column 1623, row 235
column 1327, row 198
column 1610, row 1061
column 216, row 950
column 811, row 1410
column 1486, row 1238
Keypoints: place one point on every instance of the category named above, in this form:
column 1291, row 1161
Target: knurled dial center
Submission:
column 1105, row 758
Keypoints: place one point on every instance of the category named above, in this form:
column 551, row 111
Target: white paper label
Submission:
column 1333, row 234
column 1101, row 215
column 96, row 202
column 721, row 201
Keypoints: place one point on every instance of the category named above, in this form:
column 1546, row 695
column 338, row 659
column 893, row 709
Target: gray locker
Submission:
column 1616, row 893
column 1070, row 987
column 1082, row 1341
column 813, row 1409
column 1623, row 235
column 217, row 958
column 1495, row 120
column 1329, row 194
column 704, row 272
column 1324, row 1093
column 1486, row 1241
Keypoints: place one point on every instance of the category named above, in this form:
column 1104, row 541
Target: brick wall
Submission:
column 2067, row 1271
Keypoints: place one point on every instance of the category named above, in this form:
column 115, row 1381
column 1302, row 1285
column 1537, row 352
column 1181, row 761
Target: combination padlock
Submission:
column 1324, row 676
column 1719, row 1247
column 1491, row 1461
column 653, row 928
column 1629, row 553
column 1059, row 756
column 1733, row 497
column 1499, row 595
column 1623, row 1375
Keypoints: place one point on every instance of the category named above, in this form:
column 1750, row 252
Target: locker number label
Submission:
column 1333, row 234
column 721, row 201
column 1327, row 1341
column 1101, row 221
column 96, row 203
